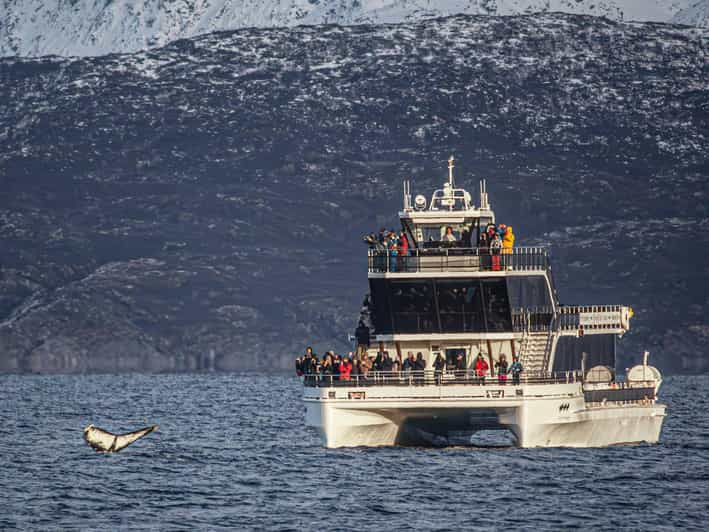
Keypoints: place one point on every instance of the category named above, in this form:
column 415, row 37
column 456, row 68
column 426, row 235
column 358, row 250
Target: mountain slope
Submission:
column 202, row 204
column 96, row 27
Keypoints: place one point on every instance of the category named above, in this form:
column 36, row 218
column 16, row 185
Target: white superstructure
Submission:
column 451, row 296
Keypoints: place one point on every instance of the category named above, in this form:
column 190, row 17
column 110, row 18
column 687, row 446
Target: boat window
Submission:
column 432, row 235
column 460, row 306
column 452, row 357
column 413, row 307
column 444, row 305
column 528, row 292
column 496, row 305
column 380, row 311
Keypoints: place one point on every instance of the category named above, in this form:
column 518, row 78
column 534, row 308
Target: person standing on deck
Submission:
column 501, row 366
column 508, row 240
column 481, row 367
column 515, row 369
column 495, row 248
column 393, row 245
column 439, row 366
column 403, row 252
column 345, row 369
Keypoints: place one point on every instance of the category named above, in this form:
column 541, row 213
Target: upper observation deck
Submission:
column 450, row 234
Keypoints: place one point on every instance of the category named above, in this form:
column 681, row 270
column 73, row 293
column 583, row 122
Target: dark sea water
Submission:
column 232, row 452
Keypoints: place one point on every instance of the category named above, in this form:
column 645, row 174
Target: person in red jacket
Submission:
column 481, row 367
column 402, row 252
column 345, row 369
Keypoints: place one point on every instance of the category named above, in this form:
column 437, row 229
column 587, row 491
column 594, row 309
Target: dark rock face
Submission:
column 200, row 206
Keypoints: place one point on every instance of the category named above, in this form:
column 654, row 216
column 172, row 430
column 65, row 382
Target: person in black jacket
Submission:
column 439, row 365
column 419, row 367
column 308, row 365
column 362, row 337
column 387, row 363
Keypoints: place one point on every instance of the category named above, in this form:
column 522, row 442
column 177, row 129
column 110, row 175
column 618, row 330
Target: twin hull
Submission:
column 554, row 415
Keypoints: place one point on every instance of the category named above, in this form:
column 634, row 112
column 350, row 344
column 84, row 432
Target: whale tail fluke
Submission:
column 104, row 441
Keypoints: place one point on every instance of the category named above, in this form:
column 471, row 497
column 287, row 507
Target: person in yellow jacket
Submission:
column 508, row 240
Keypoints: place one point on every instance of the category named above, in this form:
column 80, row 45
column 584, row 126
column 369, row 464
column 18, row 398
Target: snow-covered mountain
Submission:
column 97, row 27
column 696, row 14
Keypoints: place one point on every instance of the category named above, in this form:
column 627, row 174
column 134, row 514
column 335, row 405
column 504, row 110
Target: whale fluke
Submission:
column 103, row 441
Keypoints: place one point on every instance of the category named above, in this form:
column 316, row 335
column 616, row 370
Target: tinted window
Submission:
column 460, row 306
column 496, row 305
column 528, row 292
column 464, row 305
column 413, row 308
column 380, row 312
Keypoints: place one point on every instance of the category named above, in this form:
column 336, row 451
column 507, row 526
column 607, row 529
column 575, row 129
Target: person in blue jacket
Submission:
column 515, row 369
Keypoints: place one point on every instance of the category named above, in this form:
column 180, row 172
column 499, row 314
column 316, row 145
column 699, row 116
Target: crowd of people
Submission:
column 339, row 367
column 494, row 240
column 493, row 237
column 396, row 245
column 497, row 239
column 336, row 367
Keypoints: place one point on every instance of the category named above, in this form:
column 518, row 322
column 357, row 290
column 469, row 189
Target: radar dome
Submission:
column 599, row 375
column 641, row 373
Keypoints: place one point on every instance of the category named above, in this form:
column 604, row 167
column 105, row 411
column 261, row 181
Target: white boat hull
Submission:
column 537, row 415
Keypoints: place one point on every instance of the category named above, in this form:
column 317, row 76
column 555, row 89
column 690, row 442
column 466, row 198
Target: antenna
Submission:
column 483, row 195
column 407, row 196
column 450, row 170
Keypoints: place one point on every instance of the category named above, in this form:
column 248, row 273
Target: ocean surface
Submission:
column 232, row 453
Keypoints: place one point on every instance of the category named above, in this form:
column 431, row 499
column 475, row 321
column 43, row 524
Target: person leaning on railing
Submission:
column 327, row 368
column 409, row 362
column 345, row 369
column 308, row 365
column 508, row 239
column 481, row 368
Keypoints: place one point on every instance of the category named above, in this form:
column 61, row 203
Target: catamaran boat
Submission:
column 458, row 299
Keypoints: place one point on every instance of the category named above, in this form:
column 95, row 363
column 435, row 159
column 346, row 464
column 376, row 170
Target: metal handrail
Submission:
column 532, row 319
column 432, row 377
column 570, row 317
column 530, row 258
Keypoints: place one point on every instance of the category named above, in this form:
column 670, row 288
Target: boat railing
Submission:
column 433, row 377
column 590, row 318
column 534, row 258
column 532, row 319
